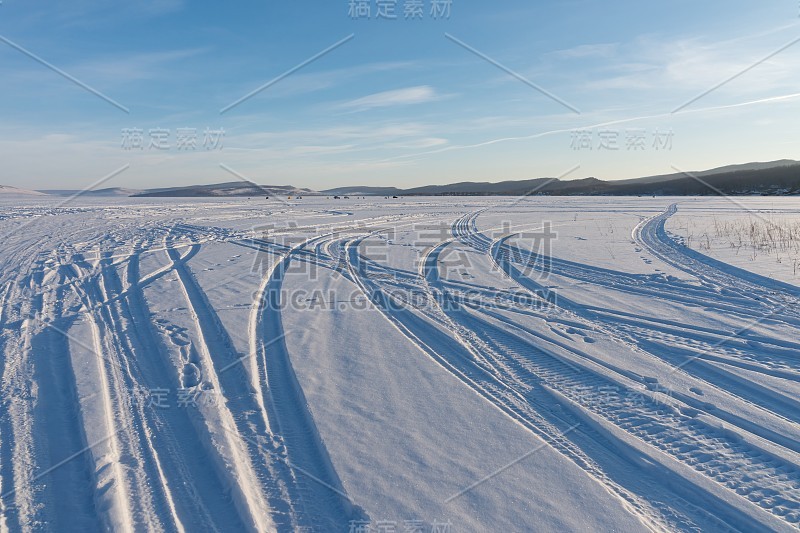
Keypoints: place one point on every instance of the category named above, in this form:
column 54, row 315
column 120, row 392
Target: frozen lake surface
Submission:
column 429, row 364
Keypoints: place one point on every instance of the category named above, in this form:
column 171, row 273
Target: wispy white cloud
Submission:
column 337, row 141
column 587, row 50
column 103, row 70
column 603, row 124
column 696, row 63
column 97, row 13
column 304, row 83
column 399, row 97
column 135, row 67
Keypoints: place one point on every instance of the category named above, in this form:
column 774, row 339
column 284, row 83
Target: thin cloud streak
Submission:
column 399, row 97
column 592, row 126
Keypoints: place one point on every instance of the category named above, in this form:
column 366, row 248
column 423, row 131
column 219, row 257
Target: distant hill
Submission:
column 511, row 188
column 778, row 177
column 111, row 191
column 769, row 178
column 227, row 190
column 362, row 190
column 730, row 169
column 8, row 190
column 471, row 188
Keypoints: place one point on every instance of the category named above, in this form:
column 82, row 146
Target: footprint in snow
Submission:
column 690, row 412
column 560, row 333
column 191, row 376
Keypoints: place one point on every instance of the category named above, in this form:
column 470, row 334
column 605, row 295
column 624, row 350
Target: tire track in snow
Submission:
column 773, row 404
column 17, row 458
column 291, row 422
column 311, row 488
column 261, row 497
column 772, row 483
column 522, row 403
column 681, row 345
column 43, row 452
column 693, row 345
column 789, row 483
column 129, row 468
column 58, row 431
column 4, row 438
column 541, row 370
column 16, row 507
column 188, row 463
column 774, row 299
column 754, row 352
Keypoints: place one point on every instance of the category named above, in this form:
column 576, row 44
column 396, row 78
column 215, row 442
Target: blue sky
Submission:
column 399, row 103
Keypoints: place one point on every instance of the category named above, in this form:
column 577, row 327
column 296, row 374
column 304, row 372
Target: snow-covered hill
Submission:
column 8, row 190
column 232, row 189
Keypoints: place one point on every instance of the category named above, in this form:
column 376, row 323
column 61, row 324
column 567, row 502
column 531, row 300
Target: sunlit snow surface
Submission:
column 431, row 364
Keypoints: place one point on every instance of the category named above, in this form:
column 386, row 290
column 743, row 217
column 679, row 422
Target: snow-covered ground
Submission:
column 430, row 364
column 758, row 234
